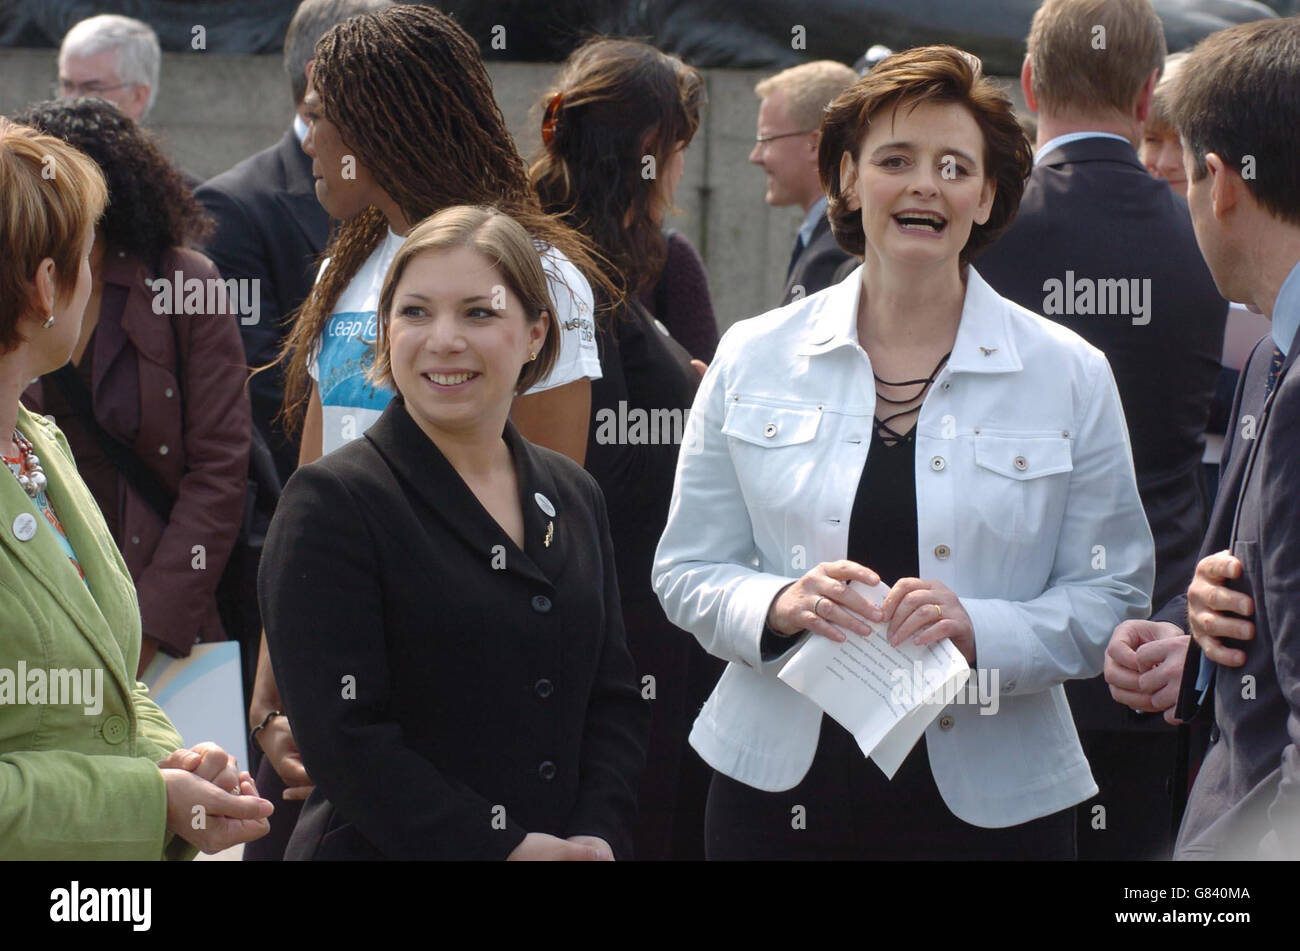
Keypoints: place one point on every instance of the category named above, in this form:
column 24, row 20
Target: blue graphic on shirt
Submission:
column 346, row 354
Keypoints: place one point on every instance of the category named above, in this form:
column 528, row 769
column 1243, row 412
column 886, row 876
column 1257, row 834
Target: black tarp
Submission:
column 736, row 33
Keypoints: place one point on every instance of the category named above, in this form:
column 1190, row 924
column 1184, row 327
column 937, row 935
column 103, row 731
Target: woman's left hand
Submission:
column 928, row 611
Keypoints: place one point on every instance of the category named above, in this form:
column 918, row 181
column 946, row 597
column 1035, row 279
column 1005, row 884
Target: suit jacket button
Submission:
column 114, row 730
column 546, row 770
column 544, row 688
column 541, row 604
column 945, row 722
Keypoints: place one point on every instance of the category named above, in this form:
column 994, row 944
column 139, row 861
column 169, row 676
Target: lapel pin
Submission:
column 544, row 504
column 25, row 527
column 988, row 351
column 550, row 533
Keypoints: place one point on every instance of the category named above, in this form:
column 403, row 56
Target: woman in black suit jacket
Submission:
column 440, row 597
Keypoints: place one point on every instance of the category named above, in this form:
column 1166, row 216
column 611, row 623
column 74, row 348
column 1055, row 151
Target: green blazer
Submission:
column 74, row 785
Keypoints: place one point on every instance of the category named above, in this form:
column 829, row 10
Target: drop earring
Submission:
column 49, row 323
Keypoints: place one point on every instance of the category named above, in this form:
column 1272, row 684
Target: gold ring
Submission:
column 938, row 609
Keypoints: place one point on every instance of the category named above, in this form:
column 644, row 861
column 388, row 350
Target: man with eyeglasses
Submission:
column 111, row 57
column 786, row 149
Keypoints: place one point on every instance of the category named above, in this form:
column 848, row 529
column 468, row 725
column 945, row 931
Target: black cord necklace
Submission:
column 888, row 435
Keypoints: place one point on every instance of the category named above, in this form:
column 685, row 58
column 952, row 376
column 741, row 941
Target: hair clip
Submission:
column 550, row 119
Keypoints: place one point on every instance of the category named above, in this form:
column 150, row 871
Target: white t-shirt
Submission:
column 350, row 403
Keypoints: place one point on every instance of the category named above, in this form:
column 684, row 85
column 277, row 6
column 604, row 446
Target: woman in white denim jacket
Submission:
column 1001, row 474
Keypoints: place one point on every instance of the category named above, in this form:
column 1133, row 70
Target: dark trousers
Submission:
column 675, row 782
column 845, row 809
column 1134, row 815
column 270, row 847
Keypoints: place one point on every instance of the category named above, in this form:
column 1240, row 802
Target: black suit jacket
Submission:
column 271, row 228
column 1246, row 800
column 449, row 692
column 814, row 268
column 1091, row 212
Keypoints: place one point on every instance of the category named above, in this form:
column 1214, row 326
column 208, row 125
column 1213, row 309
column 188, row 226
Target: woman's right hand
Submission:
column 540, row 847
column 821, row 599
column 277, row 742
column 211, row 818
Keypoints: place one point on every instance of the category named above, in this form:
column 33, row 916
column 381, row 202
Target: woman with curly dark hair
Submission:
column 154, row 410
column 616, row 125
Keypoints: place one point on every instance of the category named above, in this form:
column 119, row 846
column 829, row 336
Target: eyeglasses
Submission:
column 66, row 88
column 764, row 139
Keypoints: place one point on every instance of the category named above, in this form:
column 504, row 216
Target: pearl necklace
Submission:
column 30, row 474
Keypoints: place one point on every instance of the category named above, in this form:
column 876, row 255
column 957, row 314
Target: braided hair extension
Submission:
column 409, row 94
column 616, row 104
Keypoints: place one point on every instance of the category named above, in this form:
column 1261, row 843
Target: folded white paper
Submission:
column 885, row 696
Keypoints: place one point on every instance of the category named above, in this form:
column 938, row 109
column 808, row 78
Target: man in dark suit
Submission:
column 786, row 149
column 1108, row 251
column 1236, row 109
column 271, row 228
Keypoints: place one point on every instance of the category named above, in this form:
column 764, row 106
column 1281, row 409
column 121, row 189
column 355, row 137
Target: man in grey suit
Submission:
column 1236, row 107
column 786, row 150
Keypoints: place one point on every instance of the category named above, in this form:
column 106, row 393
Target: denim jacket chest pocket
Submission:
column 772, row 447
column 1020, row 481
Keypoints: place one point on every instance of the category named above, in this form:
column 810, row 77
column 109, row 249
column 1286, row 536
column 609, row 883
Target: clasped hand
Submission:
column 210, row 802
column 919, row 610
column 1144, row 660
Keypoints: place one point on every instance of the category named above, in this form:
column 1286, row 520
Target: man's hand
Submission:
column 1215, row 611
column 1144, row 665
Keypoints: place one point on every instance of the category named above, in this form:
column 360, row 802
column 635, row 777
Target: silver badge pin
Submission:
column 544, row 504
column 25, row 527
column 550, row 533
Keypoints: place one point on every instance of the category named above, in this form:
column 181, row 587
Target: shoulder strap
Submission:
column 140, row 478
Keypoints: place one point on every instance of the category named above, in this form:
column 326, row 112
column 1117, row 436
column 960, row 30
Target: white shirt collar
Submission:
column 1069, row 137
column 299, row 128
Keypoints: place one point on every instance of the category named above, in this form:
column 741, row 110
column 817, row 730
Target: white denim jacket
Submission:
column 1027, row 508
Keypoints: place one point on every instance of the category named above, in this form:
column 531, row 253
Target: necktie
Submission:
column 1274, row 368
column 794, row 256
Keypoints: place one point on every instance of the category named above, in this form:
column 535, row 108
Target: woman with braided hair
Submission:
column 403, row 123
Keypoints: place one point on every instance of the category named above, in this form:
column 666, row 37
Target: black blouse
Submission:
column 882, row 528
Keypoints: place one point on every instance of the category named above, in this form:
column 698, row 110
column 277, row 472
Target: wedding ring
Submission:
column 938, row 609
column 818, row 603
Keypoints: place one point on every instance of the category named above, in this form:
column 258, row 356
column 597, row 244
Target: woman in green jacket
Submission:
column 90, row 767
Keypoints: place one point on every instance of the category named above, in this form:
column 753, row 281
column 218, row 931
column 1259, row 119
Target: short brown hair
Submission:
column 51, row 195
column 1094, row 55
column 808, row 88
column 938, row 74
column 1238, row 96
column 505, row 243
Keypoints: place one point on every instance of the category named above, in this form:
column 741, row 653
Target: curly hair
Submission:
column 410, row 96
column 620, row 102
column 150, row 207
column 941, row 74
